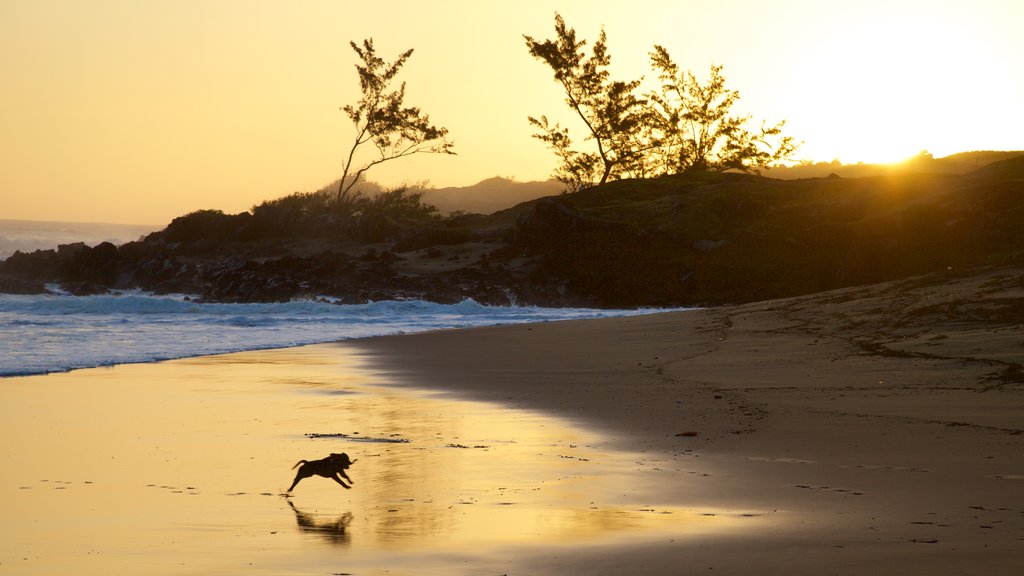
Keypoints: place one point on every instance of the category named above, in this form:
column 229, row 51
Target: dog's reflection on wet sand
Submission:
column 335, row 531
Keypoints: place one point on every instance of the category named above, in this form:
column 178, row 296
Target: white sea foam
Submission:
column 51, row 333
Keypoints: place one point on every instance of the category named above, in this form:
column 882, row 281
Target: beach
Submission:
column 872, row 429
column 877, row 428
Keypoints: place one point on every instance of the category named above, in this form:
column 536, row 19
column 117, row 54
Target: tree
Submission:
column 577, row 170
column 610, row 110
column 693, row 126
column 381, row 118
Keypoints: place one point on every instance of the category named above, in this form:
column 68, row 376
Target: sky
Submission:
column 138, row 111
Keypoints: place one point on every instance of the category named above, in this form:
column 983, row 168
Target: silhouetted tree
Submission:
column 683, row 126
column 610, row 110
column 382, row 119
column 693, row 126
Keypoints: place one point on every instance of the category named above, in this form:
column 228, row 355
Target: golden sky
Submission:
column 137, row 111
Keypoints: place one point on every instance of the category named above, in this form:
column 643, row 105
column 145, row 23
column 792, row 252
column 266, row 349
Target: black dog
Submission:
column 329, row 467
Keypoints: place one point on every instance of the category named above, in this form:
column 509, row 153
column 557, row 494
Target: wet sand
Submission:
column 870, row 430
column 181, row 467
column 878, row 429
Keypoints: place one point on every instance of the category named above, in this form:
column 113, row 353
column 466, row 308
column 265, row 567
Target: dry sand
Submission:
column 877, row 429
column 869, row 430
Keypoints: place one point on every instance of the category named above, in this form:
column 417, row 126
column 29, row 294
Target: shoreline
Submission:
column 882, row 422
column 52, row 334
column 871, row 429
column 203, row 451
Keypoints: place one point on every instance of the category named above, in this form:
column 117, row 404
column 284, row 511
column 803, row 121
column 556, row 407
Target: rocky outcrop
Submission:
column 598, row 261
column 692, row 239
column 78, row 268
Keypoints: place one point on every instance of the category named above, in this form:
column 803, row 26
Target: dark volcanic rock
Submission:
column 77, row 267
column 16, row 284
column 236, row 280
column 83, row 288
column 77, row 264
column 164, row 275
column 40, row 265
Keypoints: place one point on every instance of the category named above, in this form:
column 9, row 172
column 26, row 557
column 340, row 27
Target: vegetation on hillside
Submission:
column 316, row 215
column 726, row 237
column 697, row 238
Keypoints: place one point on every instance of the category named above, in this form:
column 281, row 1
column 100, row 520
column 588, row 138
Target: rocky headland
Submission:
column 692, row 239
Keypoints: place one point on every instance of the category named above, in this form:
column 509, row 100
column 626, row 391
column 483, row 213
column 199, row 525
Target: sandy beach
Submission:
column 877, row 428
column 867, row 430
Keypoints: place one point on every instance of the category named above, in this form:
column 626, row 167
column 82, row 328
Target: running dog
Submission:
column 330, row 467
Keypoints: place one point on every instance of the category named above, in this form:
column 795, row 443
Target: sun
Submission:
column 894, row 80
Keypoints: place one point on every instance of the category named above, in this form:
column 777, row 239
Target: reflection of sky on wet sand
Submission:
column 178, row 468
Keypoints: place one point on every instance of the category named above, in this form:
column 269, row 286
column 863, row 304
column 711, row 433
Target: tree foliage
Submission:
column 610, row 109
column 382, row 119
column 694, row 127
column 683, row 126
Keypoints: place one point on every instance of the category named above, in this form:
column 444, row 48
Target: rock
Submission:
column 16, row 284
column 78, row 264
column 709, row 245
column 81, row 288
column 39, row 265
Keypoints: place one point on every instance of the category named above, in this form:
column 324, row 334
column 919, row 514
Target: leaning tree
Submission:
column 382, row 120
column 610, row 110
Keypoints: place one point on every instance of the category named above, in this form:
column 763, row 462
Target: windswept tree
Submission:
column 610, row 110
column 382, row 120
column 693, row 126
column 684, row 126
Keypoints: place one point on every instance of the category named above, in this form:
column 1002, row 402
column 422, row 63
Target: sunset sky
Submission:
column 136, row 111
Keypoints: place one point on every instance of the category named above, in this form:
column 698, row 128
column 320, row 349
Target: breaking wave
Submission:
column 57, row 332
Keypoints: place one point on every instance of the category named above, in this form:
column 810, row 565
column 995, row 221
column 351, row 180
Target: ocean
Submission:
column 60, row 332
column 30, row 235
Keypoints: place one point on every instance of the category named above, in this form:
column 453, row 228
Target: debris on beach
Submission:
column 394, row 439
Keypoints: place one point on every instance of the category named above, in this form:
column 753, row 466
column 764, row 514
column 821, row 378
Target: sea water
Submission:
column 31, row 235
column 59, row 332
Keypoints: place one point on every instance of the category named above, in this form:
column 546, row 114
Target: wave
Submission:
column 56, row 332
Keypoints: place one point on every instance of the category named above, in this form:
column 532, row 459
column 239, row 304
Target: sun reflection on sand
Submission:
column 180, row 467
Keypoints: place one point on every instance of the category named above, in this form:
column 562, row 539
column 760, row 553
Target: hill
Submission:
column 718, row 238
column 693, row 239
column 923, row 163
column 488, row 196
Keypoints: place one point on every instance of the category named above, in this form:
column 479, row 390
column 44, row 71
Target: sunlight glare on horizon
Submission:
column 137, row 112
column 906, row 78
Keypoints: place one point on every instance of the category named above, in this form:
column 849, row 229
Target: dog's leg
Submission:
column 345, row 476
column 303, row 473
column 339, row 481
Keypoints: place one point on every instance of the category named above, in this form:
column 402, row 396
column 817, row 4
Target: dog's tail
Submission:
column 299, row 462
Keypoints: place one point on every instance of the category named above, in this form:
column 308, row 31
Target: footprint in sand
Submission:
column 845, row 491
column 881, row 467
column 782, row 460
